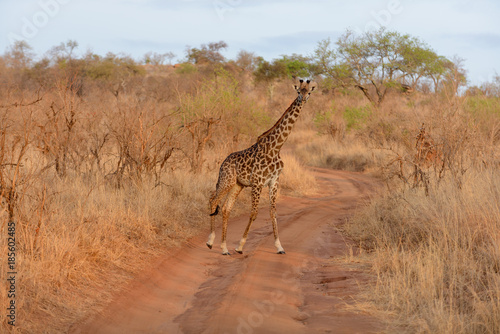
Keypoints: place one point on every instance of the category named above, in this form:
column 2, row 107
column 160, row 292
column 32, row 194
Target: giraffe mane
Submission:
column 277, row 122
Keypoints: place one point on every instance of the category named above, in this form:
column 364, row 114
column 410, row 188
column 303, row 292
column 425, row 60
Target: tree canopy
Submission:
column 286, row 67
column 372, row 62
column 208, row 53
column 378, row 60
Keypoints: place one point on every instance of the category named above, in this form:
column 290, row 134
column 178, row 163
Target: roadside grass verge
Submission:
column 436, row 256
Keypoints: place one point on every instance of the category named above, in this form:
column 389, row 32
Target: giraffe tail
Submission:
column 215, row 212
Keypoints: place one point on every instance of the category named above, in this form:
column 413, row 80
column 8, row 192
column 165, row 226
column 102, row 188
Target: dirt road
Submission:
column 197, row 290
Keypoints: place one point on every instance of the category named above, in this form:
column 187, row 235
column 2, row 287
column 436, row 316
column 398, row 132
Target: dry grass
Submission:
column 99, row 193
column 295, row 178
column 433, row 237
column 437, row 257
column 101, row 185
column 322, row 151
column 91, row 239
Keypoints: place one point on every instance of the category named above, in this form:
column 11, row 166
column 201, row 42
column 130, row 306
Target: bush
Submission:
column 355, row 118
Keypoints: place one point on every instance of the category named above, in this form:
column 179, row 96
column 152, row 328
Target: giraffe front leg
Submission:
column 256, row 190
column 273, row 194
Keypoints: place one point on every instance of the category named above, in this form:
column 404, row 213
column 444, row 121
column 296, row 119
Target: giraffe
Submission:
column 257, row 166
column 428, row 154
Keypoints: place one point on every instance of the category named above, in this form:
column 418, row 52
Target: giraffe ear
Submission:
column 296, row 84
column 313, row 86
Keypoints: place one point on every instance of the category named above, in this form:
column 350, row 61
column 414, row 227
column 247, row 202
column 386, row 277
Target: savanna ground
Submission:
column 102, row 173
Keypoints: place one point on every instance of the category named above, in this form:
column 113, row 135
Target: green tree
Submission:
column 268, row 72
column 113, row 71
column 376, row 61
column 298, row 66
column 286, row 67
column 436, row 70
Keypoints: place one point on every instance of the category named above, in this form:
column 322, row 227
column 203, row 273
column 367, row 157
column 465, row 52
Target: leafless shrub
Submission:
column 144, row 143
column 201, row 131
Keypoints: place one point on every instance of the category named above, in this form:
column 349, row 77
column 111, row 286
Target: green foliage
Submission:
column 355, row 118
column 377, row 59
column 214, row 98
column 113, row 67
column 220, row 98
column 483, row 106
column 298, row 66
column 323, row 119
column 39, row 71
column 186, row 68
column 268, row 72
column 285, row 67
column 253, row 123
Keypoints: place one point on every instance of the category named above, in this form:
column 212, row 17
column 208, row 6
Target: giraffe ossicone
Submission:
column 258, row 166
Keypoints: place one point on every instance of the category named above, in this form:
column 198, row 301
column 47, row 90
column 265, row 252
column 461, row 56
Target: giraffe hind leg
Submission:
column 226, row 211
column 214, row 208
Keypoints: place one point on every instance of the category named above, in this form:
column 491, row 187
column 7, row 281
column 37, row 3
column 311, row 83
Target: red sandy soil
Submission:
column 193, row 289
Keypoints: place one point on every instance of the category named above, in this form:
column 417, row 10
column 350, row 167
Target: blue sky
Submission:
column 469, row 29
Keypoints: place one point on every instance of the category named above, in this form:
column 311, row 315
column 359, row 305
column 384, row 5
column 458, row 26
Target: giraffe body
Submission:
column 258, row 166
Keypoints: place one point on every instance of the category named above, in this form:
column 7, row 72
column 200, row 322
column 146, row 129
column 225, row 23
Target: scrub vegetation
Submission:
column 107, row 161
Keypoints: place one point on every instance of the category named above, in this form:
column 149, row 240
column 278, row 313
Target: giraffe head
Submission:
column 304, row 89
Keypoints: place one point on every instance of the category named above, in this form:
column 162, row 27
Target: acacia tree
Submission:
column 155, row 58
column 268, row 73
column 246, row 60
column 208, row 53
column 20, row 55
column 375, row 61
column 63, row 52
column 285, row 67
column 454, row 76
column 114, row 72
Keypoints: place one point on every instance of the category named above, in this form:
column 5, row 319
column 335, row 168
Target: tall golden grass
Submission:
column 432, row 238
column 436, row 256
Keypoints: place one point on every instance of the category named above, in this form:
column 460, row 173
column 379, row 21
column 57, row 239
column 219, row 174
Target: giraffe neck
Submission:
column 276, row 136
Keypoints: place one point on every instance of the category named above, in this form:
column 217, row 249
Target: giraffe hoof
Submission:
column 238, row 251
column 209, row 246
column 226, row 253
column 281, row 252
